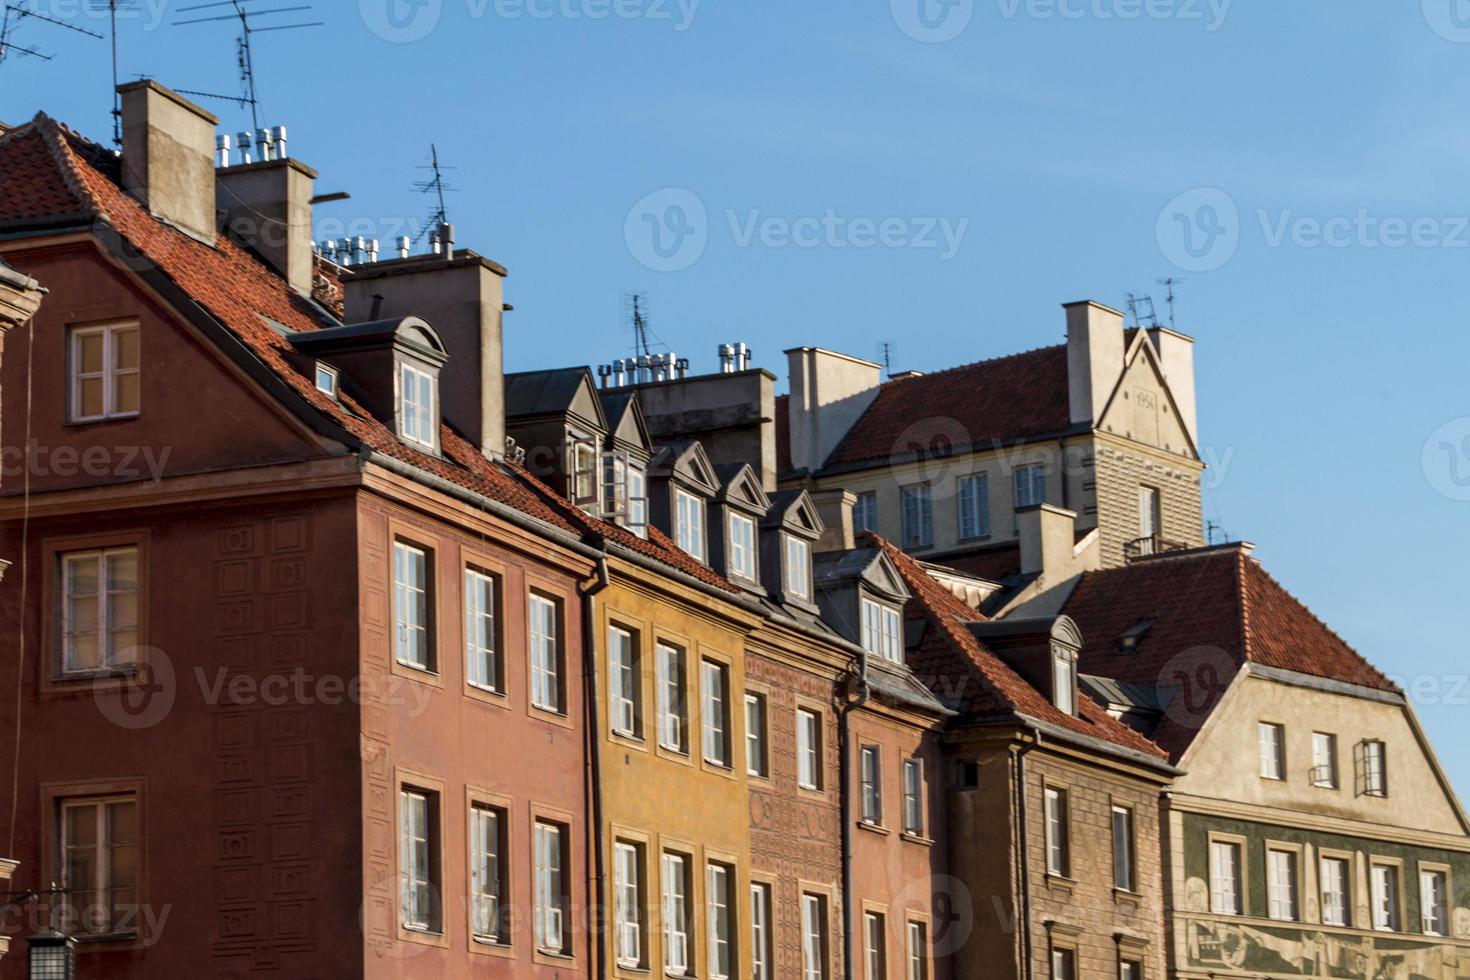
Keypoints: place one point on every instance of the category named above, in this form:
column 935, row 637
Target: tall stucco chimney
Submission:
column 1176, row 357
column 1094, row 358
column 267, row 206
column 834, row 507
column 168, row 156
column 829, row 393
column 463, row 298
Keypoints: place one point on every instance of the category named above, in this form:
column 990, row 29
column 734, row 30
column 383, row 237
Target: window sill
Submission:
column 1127, row 896
column 91, row 676
column 874, row 828
column 493, row 945
column 1061, row 883
column 919, row 839
column 105, row 419
column 108, row 937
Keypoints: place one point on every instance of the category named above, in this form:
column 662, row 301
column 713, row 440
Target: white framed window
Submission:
column 918, row 515
column 715, row 720
column 628, row 902
column 551, row 889
column 1150, row 521
column 1058, row 833
column 918, row 942
column 718, row 881
column 1283, row 896
column 1337, row 891
column 875, row 943
column 1434, row 900
column 1384, row 879
column 913, row 797
column 1272, row 740
column 1226, row 893
column 585, row 486
column 1375, row 769
column 974, row 506
column 813, row 937
column 418, row 405
column 99, row 610
column 1030, row 485
column 757, row 758
column 762, row 954
column 638, row 500
column 1064, row 680
column 1063, row 964
column 808, row 749
column 672, row 722
column 105, row 372
column 870, row 768
column 677, row 940
column 623, row 685
column 742, row 546
column 487, row 873
column 99, row 859
column 689, row 534
column 865, row 512
column 882, row 631
column 1324, row 760
column 798, row 567
column 1124, row 873
column 418, row 859
column 1130, row 970
column 326, row 379
column 545, row 640
column 482, row 662
column 625, row 492
column 413, row 608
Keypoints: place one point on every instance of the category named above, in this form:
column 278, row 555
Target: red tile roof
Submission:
column 46, row 171
column 1211, row 611
column 967, row 676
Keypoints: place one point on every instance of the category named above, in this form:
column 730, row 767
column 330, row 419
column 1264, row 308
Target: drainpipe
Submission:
column 1023, row 920
column 843, row 766
column 592, row 787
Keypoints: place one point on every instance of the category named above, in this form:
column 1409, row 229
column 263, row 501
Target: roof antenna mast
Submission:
column 15, row 14
column 438, row 186
column 1170, row 282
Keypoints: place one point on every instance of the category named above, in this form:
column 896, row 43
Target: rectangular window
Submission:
column 871, row 773
column 672, row 723
column 418, row 409
column 487, row 874
column 585, row 461
column 1324, row 760
column 1434, row 903
column 742, row 546
column 690, row 531
column 756, row 756
column 481, row 597
column 628, row 902
column 624, row 687
column 714, row 689
column 719, row 880
column 918, row 940
column 326, row 379
column 1064, row 681
column 625, row 492
column 545, row 639
column 551, row 890
column 798, row 567
column 918, row 516
column 808, row 749
column 1385, row 881
column 1130, row 970
column 1124, row 876
column 1336, row 891
column 638, row 500
column 762, row 955
column 1063, row 964
column 1272, row 738
column 913, row 797
column 99, row 865
column 676, row 902
column 1225, row 890
column 99, row 610
column 974, row 504
column 1282, row 894
column 1149, row 518
column 418, row 858
column 1058, row 834
column 1030, row 485
column 813, row 937
column 412, row 606
column 875, row 951
column 1375, row 769
column 865, row 512
column 882, row 631
column 105, row 372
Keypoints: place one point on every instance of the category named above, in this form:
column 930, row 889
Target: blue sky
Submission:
column 1299, row 165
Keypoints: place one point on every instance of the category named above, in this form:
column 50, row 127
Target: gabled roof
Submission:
column 561, row 391
column 625, row 422
column 974, row 681
column 685, row 462
column 867, row 565
column 793, row 509
column 1216, row 607
column 740, row 486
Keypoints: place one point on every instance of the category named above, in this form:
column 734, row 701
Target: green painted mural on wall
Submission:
column 1216, row 946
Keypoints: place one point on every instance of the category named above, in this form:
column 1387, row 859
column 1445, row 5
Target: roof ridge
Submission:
column 54, row 137
column 1242, row 602
column 973, row 364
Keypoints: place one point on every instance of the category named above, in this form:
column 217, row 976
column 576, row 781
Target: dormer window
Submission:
column 418, row 405
column 1064, row 680
column 625, row 492
column 326, row 379
column 798, row 567
column 742, row 546
column 882, row 631
column 690, row 523
column 584, row 472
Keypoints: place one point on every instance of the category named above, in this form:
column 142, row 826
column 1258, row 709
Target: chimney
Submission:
column 463, row 298
column 829, row 393
column 1048, row 537
column 267, row 206
column 1176, row 357
column 834, row 507
column 168, row 156
column 1094, row 358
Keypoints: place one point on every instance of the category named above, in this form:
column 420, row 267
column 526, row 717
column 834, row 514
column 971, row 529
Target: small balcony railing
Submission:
column 1154, row 544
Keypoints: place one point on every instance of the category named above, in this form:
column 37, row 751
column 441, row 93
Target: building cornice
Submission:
column 1258, row 813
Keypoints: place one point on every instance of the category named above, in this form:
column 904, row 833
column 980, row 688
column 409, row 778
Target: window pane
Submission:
column 126, row 396
column 91, row 352
column 125, row 348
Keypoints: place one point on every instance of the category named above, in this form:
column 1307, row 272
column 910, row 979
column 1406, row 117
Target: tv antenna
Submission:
column 635, row 307
column 112, row 7
column 1170, row 282
column 1141, row 308
column 437, row 186
column 14, row 16
column 239, row 10
column 887, row 358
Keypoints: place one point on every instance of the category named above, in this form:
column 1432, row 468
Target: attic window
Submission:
column 418, row 405
column 584, row 472
column 625, row 492
column 798, row 567
column 1129, row 639
column 690, row 530
column 882, row 631
column 1064, row 680
column 326, row 379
